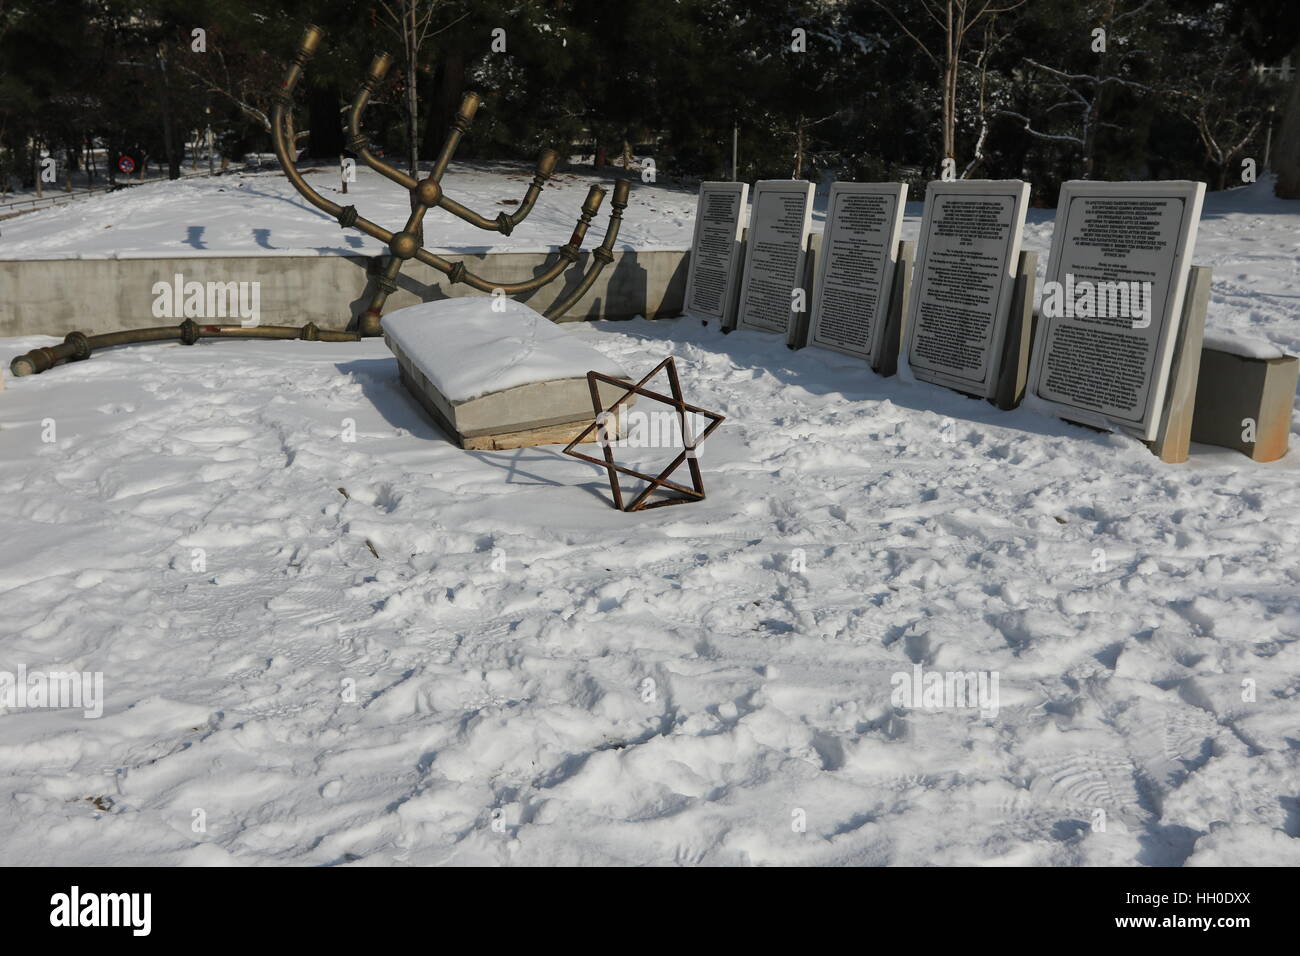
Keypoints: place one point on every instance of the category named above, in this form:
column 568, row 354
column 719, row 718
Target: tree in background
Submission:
column 1078, row 87
column 941, row 30
column 1287, row 165
column 412, row 23
column 1220, row 92
column 868, row 89
column 1269, row 31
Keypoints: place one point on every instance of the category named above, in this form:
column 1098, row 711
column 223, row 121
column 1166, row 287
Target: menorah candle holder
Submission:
column 405, row 244
column 427, row 193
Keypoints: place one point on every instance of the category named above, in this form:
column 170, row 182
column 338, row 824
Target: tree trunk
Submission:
column 952, row 52
column 1287, row 148
column 1090, row 136
column 1093, row 117
column 325, row 137
column 412, row 102
column 450, row 89
column 169, row 144
column 798, row 150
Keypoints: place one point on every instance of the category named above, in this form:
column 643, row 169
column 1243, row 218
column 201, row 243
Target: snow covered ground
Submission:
column 260, row 214
column 1255, row 254
column 524, row 675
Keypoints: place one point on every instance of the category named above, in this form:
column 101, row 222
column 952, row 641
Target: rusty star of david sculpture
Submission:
column 689, row 453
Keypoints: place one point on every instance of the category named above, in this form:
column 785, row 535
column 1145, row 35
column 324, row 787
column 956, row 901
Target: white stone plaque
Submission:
column 965, row 274
column 779, row 226
column 1113, row 300
column 715, row 250
column 855, row 268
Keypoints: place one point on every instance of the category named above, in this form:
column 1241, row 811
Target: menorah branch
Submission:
column 357, row 142
column 346, row 215
column 602, row 255
column 506, row 222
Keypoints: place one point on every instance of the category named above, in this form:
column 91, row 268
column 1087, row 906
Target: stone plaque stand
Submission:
column 1213, row 393
column 1234, row 389
column 1013, row 369
column 742, row 250
column 796, row 336
column 1174, row 438
column 900, row 291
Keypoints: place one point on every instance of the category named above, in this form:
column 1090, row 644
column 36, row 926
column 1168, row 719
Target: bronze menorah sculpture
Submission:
column 425, row 194
column 428, row 192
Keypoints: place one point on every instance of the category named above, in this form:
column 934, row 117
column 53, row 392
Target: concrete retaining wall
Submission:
column 57, row 296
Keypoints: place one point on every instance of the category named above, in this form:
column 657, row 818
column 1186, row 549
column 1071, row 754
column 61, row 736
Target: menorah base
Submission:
column 370, row 324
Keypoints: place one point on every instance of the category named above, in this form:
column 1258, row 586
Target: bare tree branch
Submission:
column 1033, row 132
column 903, row 26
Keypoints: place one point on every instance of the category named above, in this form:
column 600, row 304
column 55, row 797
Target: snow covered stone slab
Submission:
column 1246, row 346
column 1244, row 396
column 496, row 379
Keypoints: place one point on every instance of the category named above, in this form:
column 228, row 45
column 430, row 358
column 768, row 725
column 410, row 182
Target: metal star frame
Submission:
column 688, row 454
